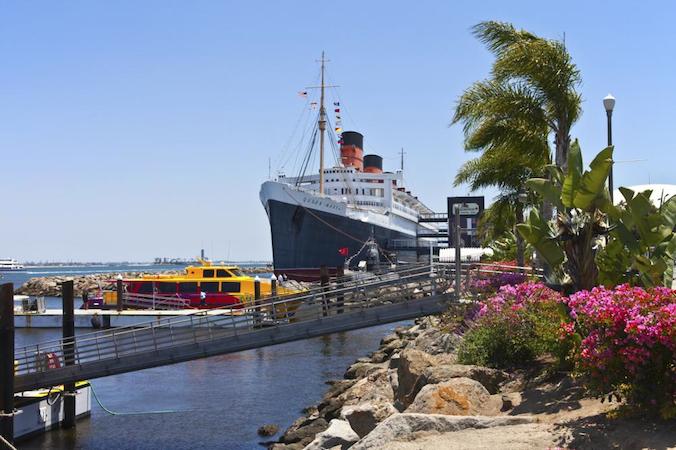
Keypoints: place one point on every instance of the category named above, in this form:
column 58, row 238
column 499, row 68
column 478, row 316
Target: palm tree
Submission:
column 543, row 72
column 509, row 171
column 509, row 117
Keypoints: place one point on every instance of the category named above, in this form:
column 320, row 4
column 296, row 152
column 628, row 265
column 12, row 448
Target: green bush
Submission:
column 516, row 326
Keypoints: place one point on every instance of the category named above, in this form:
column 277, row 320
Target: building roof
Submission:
column 660, row 192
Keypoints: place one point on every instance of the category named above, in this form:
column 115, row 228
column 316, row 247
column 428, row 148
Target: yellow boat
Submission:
column 203, row 286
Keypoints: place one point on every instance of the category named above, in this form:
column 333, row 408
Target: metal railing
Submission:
column 338, row 298
column 150, row 301
column 245, row 320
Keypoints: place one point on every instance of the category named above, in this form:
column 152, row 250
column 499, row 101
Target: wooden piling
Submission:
column 340, row 299
column 257, row 301
column 120, row 295
column 68, row 300
column 7, row 361
column 324, row 281
column 273, row 286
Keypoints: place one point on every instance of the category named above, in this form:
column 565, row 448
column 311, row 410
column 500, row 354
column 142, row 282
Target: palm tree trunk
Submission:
column 562, row 145
column 520, row 257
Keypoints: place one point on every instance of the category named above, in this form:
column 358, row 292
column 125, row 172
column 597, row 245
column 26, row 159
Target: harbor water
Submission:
column 216, row 402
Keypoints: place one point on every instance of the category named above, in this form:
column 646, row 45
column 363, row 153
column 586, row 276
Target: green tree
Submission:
column 545, row 75
column 509, row 117
column 509, row 173
column 581, row 197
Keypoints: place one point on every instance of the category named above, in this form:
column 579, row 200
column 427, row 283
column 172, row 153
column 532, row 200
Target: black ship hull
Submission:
column 305, row 239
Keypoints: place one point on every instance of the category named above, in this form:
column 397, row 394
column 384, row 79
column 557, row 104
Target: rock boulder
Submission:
column 362, row 369
column 406, row 425
column 490, row 378
column 411, row 365
column 457, row 397
column 375, row 387
column 304, row 433
column 364, row 417
column 338, row 434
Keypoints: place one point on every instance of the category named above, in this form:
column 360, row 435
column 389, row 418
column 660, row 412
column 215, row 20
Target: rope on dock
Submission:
column 133, row 413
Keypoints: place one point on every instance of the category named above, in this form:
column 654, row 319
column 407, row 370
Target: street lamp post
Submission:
column 609, row 104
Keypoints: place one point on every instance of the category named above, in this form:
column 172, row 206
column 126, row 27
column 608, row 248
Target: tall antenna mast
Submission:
column 322, row 125
column 402, row 153
column 322, row 129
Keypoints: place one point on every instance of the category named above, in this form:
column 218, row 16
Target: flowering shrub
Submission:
column 515, row 326
column 628, row 343
column 490, row 279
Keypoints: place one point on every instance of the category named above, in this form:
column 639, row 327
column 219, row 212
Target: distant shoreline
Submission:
column 31, row 264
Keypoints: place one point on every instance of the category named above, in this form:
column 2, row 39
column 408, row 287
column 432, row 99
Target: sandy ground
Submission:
column 565, row 419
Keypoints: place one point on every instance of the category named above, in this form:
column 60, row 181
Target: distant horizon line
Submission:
column 168, row 263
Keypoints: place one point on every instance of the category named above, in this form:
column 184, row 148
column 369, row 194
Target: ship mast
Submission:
column 322, row 129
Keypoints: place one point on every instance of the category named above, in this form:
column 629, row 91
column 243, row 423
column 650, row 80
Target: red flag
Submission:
column 344, row 251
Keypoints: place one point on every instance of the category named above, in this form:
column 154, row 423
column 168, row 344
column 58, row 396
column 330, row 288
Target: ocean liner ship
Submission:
column 333, row 218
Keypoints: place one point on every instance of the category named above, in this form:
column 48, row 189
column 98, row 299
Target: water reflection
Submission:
column 220, row 401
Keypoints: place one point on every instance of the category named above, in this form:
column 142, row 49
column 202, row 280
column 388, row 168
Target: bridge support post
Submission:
column 273, row 295
column 458, row 257
column 69, row 392
column 340, row 300
column 120, row 294
column 257, row 301
column 468, row 276
column 7, row 361
column 324, row 281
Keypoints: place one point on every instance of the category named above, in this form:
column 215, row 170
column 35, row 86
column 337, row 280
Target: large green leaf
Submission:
column 640, row 205
column 548, row 190
column 627, row 193
column 555, row 173
column 669, row 212
column 536, row 232
column 572, row 180
column 592, row 184
column 626, row 237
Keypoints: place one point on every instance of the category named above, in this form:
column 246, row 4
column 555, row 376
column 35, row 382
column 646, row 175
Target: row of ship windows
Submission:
column 190, row 287
column 376, row 192
column 369, row 203
column 354, row 180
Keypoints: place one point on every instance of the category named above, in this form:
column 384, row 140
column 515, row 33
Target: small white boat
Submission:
column 42, row 409
column 7, row 264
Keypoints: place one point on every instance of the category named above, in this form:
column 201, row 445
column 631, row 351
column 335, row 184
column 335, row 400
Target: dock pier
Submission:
column 7, row 362
column 68, row 297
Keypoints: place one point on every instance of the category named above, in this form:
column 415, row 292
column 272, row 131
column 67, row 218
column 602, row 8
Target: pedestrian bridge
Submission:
column 341, row 306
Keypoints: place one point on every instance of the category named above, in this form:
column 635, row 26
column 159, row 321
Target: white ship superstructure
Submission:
column 10, row 264
column 376, row 198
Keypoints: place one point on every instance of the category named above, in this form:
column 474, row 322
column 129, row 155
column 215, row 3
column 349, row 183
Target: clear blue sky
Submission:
column 134, row 129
